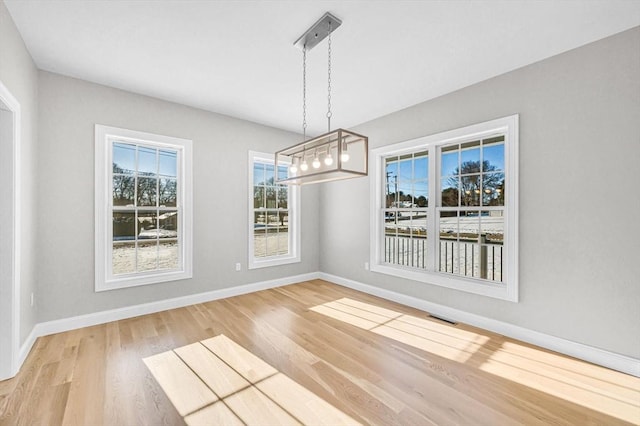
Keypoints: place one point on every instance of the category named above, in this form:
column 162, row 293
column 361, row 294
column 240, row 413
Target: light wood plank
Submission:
column 254, row 408
column 369, row 307
column 242, row 361
column 221, row 378
column 301, row 403
column 185, row 390
column 345, row 317
column 214, row 415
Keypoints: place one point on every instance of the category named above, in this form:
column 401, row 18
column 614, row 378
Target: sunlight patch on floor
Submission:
column 591, row 386
column 216, row 381
column 440, row 339
column 594, row 387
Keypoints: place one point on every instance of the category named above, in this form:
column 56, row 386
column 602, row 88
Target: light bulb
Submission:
column 316, row 163
column 344, row 157
column 293, row 168
column 304, row 166
column 328, row 160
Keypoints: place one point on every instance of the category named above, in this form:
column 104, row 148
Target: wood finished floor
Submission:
column 376, row 361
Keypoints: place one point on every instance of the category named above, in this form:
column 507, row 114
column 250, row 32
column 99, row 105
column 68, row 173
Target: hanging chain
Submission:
column 329, row 83
column 304, row 93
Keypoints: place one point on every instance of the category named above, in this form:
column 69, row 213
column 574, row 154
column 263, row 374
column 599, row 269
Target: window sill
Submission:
column 502, row 291
column 273, row 261
column 147, row 279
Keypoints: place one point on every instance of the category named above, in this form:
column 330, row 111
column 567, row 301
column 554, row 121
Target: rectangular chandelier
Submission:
column 339, row 154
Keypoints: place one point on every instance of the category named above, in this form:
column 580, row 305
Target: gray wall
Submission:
column 19, row 74
column 69, row 109
column 579, row 196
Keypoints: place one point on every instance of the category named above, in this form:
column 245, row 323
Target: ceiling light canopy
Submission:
column 337, row 154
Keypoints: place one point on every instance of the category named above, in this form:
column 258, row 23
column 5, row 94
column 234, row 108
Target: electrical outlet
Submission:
column 238, row 267
column 32, row 300
column 366, row 266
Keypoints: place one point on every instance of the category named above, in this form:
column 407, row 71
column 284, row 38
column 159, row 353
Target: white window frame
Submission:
column 294, row 219
column 507, row 290
column 105, row 136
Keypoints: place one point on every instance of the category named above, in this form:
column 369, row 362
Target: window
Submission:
column 274, row 236
column 444, row 209
column 143, row 208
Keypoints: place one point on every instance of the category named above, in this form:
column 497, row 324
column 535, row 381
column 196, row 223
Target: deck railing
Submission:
column 460, row 257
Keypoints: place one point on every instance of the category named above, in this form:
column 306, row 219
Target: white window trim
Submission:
column 103, row 204
column 508, row 290
column 294, row 220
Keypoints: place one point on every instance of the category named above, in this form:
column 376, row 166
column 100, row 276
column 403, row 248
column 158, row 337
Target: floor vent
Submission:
column 443, row 319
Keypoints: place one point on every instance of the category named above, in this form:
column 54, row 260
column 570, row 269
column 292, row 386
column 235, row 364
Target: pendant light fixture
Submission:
column 337, row 154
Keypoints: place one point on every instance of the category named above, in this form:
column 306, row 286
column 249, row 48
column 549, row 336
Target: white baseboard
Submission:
column 72, row 323
column 26, row 348
column 601, row 357
column 591, row 354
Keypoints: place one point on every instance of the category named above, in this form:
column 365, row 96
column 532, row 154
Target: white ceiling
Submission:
column 237, row 57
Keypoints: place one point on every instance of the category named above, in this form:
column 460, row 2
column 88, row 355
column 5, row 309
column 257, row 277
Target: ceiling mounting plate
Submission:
column 318, row 31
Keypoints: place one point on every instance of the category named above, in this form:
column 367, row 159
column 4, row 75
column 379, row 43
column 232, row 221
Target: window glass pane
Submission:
column 271, row 233
column 258, row 174
column 259, row 220
column 449, row 161
column 168, row 163
column 470, row 158
column 470, row 256
column 147, row 161
column 123, row 190
column 270, row 196
column 390, row 222
column 421, row 166
column 283, row 240
column 449, row 247
column 258, row 197
column 147, row 255
column 260, row 243
column 147, row 191
column 283, row 197
column 124, row 158
column 123, row 258
column 282, row 172
column 273, row 218
column 168, row 254
column 449, row 225
column 493, row 154
column 405, row 199
column 405, row 169
column 124, row 226
column 419, row 239
column 147, row 225
column 421, row 193
column 168, row 194
column 470, row 190
column 493, row 189
column 269, row 176
column 493, row 227
column 469, row 226
column 168, row 221
column 449, row 188
column 391, row 179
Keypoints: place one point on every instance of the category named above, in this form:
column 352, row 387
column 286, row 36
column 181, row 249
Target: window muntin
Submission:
column 143, row 214
column 470, row 209
column 273, row 236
